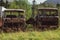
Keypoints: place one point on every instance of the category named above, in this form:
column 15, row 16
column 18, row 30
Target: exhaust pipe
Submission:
column 33, row 9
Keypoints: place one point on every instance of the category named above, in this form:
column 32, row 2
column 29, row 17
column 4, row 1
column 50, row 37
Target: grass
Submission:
column 45, row 35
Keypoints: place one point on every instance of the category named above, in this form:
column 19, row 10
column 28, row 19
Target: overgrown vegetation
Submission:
column 21, row 4
column 24, row 4
column 45, row 35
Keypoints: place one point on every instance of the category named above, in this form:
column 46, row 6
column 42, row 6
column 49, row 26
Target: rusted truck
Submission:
column 13, row 20
column 46, row 18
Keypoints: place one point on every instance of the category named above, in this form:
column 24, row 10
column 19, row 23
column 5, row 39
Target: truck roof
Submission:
column 14, row 10
column 47, row 8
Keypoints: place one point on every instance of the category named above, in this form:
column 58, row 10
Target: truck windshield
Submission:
column 48, row 12
column 13, row 14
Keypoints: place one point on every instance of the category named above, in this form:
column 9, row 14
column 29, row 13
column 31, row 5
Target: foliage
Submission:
column 22, row 4
column 5, row 4
column 45, row 35
column 47, row 5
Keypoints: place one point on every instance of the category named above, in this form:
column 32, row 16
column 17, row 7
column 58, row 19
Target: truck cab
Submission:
column 47, row 18
column 13, row 19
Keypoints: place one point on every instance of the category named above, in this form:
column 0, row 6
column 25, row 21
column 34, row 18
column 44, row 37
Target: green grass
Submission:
column 45, row 35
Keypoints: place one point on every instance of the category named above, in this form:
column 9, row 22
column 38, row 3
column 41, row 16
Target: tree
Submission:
column 22, row 4
column 58, row 5
column 5, row 4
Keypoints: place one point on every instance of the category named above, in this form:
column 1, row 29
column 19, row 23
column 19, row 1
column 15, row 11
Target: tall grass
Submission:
column 45, row 35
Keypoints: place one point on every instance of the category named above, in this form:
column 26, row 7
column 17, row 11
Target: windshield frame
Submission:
column 43, row 12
